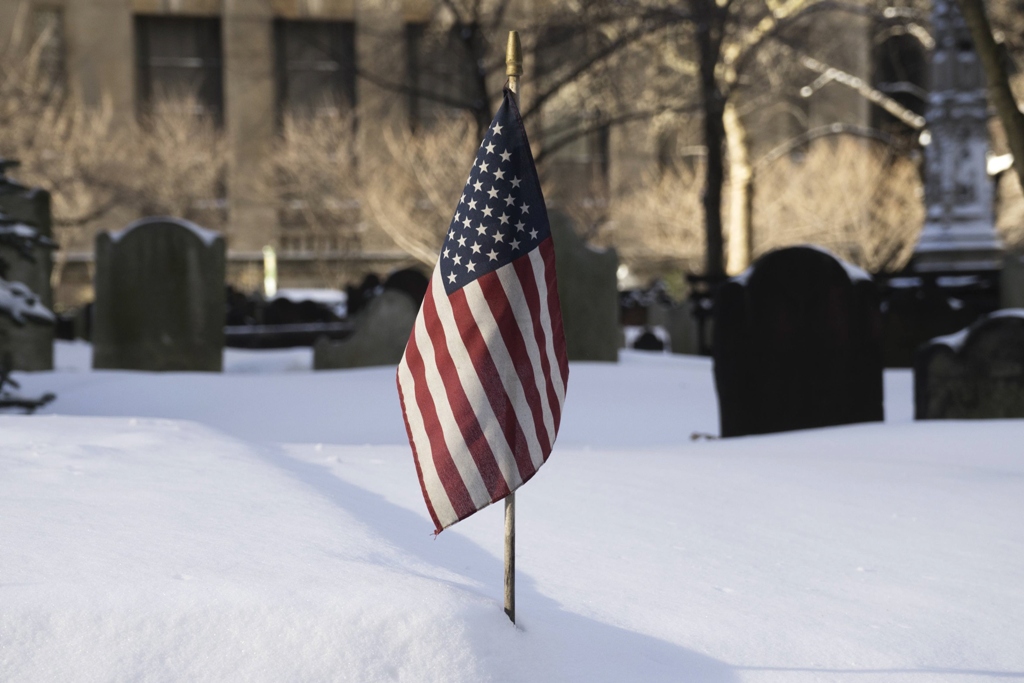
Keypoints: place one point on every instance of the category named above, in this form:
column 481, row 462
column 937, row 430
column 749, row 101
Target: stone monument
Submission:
column 975, row 373
column 959, row 231
column 588, row 290
column 797, row 345
column 30, row 346
column 159, row 297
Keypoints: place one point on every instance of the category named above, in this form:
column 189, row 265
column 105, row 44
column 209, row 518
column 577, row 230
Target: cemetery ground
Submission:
column 265, row 524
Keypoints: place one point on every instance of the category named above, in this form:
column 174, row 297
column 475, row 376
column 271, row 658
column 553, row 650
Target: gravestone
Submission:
column 682, row 329
column 977, row 373
column 381, row 333
column 797, row 345
column 159, row 297
column 1011, row 281
column 30, row 346
column 588, row 292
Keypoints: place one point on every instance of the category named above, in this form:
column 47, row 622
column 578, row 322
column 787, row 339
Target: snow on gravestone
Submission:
column 797, row 345
column 31, row 346
column 588, row 293
column 975, row 373
column 159, row 297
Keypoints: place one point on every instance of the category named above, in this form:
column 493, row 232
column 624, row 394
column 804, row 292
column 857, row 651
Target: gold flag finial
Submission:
column 513, row 55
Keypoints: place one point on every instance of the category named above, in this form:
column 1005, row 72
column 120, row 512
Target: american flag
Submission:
column 483, row 378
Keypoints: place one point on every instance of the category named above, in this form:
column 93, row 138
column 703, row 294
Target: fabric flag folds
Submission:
column 483, row 378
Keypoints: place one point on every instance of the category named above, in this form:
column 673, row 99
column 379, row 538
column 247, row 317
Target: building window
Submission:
column 48, row 41
column 316, row 68
column 441, row 73
column 901, row 72
column 179, row 60
column 572, row 129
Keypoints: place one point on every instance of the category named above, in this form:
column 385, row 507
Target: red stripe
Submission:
column 449, row 475
column 465, row 416
column 501, row 404
column 528, row 281
column 416, row 458
column 547, row 250
column 501, row 308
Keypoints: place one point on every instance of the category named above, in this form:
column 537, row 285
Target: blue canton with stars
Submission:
column 501, row 214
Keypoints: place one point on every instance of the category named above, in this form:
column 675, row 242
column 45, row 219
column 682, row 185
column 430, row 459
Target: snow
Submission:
column 207, row 236
column 266, row 524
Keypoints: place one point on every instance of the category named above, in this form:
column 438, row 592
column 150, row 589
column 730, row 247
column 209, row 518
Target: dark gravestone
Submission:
column 975, row 373
column 159, row 297
column 797, row 344
column 30, row 346
column 648, row 341
column 588, row 293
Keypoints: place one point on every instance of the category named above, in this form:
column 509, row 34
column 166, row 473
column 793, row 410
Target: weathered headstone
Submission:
column 381, row 334
column 30, row 346
column 159, row 297
column 588, row 292
column 975, row 373
column 1011, row 282
column 797, row 345
column 682, row 329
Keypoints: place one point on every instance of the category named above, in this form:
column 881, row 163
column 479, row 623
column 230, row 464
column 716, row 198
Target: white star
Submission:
column 499, row 174
column 462, row 243
column 487, row 211
column 446, row 253
column 475, row 248
column 504, row 219
column 533, row 234
column 451, row 278
column 456, row 216
column 493, row 255
column 471, row 267
column 506, row 155
column 490, row 148
column 472, row 204
column 496, row 128
column 493, row 193
column 516, row 181
column 515, row 244
column 499, row 236
column 520, row 225
column 457, row 260
column 477, row 185
column 465, row 221
column 462, row 200
column 483, row 166
column 481, row 229
column 525, row 208
column 509, row 200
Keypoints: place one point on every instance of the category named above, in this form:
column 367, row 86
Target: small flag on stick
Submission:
column 483, row 378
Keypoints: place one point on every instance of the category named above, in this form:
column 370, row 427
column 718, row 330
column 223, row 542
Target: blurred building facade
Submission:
column 250, row 62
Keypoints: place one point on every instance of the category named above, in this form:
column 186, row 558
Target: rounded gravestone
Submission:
column 797, row 344
column 160, row 301
column 977, row 373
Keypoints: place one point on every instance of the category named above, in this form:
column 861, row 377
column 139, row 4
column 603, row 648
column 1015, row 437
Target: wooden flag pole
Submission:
column 513, row 69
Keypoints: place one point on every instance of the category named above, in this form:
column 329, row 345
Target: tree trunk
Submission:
column 740, row 193
column 708, row 46
column 998, row 80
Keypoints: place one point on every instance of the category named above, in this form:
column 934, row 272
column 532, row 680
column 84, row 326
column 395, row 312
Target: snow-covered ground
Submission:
column 266, row 525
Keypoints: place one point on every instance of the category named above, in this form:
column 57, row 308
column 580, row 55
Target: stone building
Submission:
column 250, row 61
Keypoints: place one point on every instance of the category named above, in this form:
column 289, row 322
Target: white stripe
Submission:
column 540, row 275
column 521, row 310
column 449, row 427
column 482, row 408
column 506, row 368
column 424, row 456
